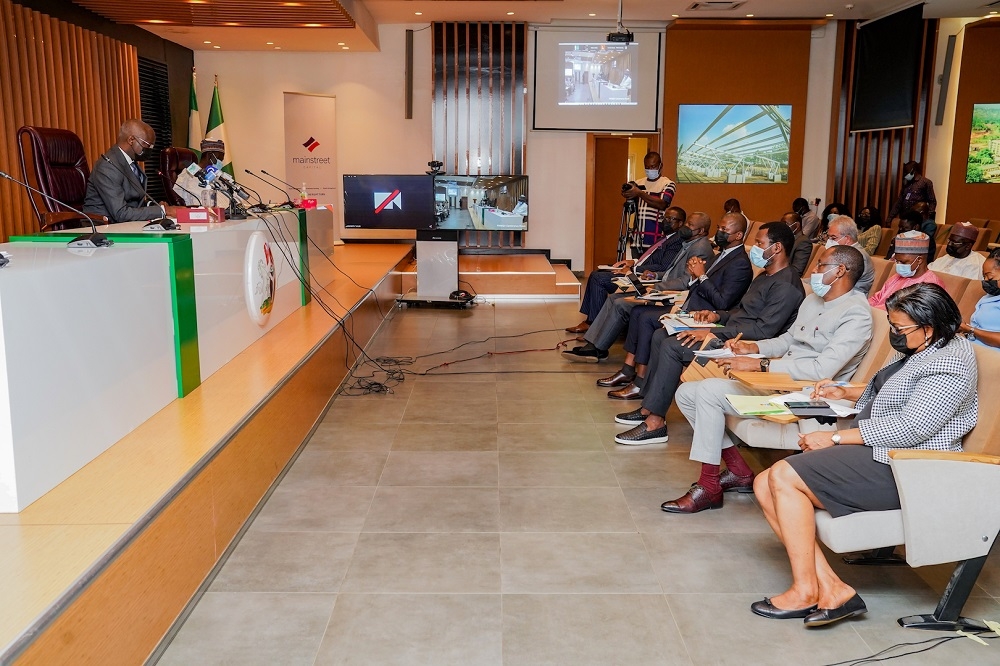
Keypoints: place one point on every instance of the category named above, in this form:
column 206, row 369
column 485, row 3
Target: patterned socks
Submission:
column 735, row 463
column 709, row 479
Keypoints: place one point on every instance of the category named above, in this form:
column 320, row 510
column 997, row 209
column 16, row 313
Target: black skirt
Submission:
column 846, row 479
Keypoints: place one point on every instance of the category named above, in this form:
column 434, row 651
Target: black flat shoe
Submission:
column 851, row 608
column 766, row 609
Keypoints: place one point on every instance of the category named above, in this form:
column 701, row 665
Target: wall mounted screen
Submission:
column 490, row 203
column 583, row 82
column 733, row 143
column 388, row 202
column 984, row 145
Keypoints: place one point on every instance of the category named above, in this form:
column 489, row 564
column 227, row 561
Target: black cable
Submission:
column 877, row 657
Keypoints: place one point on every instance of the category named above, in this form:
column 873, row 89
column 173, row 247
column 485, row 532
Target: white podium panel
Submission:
column 86, row 355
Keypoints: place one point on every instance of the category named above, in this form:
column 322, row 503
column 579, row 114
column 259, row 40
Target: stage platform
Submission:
column 97, row 569
column 499, row 275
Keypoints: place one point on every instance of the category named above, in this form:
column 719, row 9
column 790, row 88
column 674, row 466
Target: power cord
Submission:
column 878, row 656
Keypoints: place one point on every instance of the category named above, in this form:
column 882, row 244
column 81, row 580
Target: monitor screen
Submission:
column 388, row 202
column 486, row 203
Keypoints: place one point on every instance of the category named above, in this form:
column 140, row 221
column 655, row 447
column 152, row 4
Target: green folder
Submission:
column 756, row 405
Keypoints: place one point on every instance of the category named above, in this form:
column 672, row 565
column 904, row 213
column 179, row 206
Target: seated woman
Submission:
column 830, row 212
column 869, row 222
column 984, row 325
column 925, row 399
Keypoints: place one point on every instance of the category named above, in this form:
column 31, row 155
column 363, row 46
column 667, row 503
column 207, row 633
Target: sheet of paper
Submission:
column 755, row 405
column 723, row 352
column 843, row 408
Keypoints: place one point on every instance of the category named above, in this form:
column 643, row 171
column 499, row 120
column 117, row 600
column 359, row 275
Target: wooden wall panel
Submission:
column 479, row 74
column 55, row 74
column 867, row 166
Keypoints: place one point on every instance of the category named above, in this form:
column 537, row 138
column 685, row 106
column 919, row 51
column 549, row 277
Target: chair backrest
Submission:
column 978, row 221
column 942, row 233
column 994, row 227
column 887, row 235
column 54, row 162
column 985, row 437
column 883, row 269
column 973, row 293
column 955, row 285
column 879, row 350
column 985, row 238
column 172, row 160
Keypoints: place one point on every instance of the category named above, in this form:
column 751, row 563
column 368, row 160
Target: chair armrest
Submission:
column 69, row 220
column 950, row 503
column 769, row 382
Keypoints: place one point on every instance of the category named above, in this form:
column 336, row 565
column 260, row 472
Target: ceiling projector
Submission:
column 623, row 37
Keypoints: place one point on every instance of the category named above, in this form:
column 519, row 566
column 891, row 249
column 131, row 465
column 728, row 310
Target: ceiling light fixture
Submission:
column 675, row 16
column 270, row 43
column 206, row 42
column 749, row 15
column 312, row 25
column 592, row 14
column 277, row 48
column 829, row 15
column 346, row 48
column 418, row 13
column 216, row 47
column 510, row 13
column 341, row 43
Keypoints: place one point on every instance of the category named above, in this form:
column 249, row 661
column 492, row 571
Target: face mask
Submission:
column 956, row 251
column 819, row 287
column 898, row 342
column 685, row 233
column 863, row 220
column 652, row 174
column 991, row 287
column 906, row 270
column 908, row 177
column 721, row 238
column 831, row 243
column 829, row 218
column 757, row 256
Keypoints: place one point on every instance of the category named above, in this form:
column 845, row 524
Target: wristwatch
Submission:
column 765, row 363
column 702, row 277
column 835, row 437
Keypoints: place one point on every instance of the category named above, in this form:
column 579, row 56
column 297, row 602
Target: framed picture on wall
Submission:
column 984, row 145
column 733, row 143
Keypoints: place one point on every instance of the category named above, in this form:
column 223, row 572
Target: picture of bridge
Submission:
column 734, row 143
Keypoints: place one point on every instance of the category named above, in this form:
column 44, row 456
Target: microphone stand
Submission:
column 279, row 180
column 93, row 239
column 211, row 212
column 235, row 210
column 159, row 224
column 283, row 193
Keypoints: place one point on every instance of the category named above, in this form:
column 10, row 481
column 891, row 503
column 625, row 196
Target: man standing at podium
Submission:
column 117, row 185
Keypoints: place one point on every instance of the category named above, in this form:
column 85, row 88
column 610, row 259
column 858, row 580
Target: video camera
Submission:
column 632, row 205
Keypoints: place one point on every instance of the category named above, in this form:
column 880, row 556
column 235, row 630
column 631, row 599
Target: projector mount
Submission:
column 622, row 34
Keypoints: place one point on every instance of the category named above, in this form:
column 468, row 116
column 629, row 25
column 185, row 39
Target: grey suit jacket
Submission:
column 676, row 277
column 114, row 191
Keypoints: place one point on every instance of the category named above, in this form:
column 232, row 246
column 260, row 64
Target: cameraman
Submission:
column 652, row 194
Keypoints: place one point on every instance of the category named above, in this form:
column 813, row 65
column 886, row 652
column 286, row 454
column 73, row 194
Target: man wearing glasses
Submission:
column 843, row 231
column 959, row 259
column 117, row 185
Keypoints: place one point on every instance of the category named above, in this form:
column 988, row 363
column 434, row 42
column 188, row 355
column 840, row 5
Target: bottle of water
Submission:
column 303, row 195
column 208, row 197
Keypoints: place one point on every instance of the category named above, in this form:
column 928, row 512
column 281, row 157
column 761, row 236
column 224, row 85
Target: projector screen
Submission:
column 583, row 82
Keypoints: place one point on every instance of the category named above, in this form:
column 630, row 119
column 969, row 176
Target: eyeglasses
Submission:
column 822, row 264
column 899, row 329
column 143, row 141
column 833, row 238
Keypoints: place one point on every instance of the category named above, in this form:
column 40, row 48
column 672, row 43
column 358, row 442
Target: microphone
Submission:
column 159, row 224
column 93, row 239
column 288, row 202
column 279, row 180
column 236, row 187
column 211, row 212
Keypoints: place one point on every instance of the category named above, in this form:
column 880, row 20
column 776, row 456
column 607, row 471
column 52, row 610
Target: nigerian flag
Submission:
column 216, row 129
column 194, row 120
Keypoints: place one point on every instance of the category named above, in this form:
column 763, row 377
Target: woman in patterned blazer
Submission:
column 924, row 399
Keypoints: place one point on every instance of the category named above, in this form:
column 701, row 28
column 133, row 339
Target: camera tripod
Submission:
column 630, row 233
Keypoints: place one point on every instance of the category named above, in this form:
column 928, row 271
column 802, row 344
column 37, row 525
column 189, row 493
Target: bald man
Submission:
column 117, row 185
column 959, row 259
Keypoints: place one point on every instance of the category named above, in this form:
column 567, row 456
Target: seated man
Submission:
column 959, row 259
column 655, row 260
column 911, row 267
column 768, row 308
column 719, row 288
column 810, row 221
column 803, row 248
column 614, row 315
column 829, row 337
column 189, row 188
column 117, row 186
column 912, row 221
column 843, row 231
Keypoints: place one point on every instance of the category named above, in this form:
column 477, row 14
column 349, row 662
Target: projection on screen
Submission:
column 488, row 203
column 598, row 74
column 984, row 145
column 734, row 143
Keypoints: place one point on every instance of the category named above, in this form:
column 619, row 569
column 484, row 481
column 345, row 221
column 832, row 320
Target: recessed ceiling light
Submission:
column 231, row 23
column 346, row 48
column 992, row 12
column 277, row 48
column 749, row 15
column 675, row 15
column 216, row 47
column 510, row 13
column 155, row 21
column 312, row 25
column 340, row 43
column 270, row 43
column 592, row 14
column 206, row 42
column 829, row 15
column 418, row 13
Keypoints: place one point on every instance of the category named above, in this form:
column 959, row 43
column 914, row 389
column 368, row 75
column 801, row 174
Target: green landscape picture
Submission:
column 984, row 145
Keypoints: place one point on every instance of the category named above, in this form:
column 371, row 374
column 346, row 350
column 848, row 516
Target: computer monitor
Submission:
column 485, row 203
column 388, row 202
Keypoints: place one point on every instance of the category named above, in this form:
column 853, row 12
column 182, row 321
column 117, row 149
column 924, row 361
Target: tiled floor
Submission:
column 490, row 519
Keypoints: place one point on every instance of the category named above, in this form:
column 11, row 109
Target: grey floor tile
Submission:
column 441, row 468
column 316, row 469
column 540, row 387
column 319, row 508
column 479, row 390
column 460, row 629
column 252, row 628
column 361, row 412
column 425, row 563
column 463, row 409
column 720, row 629
column 446, row 437
column 407, row 509
column 590, row 629
column 739, row 514
column 515, row 437
column 333, row 436
column 576, row 563
column 564, row 510
column 561, row 468
column 654, row 469
column 287, row 562
column 552, row 413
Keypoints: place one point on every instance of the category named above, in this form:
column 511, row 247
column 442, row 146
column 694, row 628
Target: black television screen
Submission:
column 388, row 202
column 487, row 203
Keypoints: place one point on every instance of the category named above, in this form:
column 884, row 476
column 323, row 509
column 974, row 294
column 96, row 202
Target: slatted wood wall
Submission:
column 867, row 167
column 55, row 74
column 479, row 106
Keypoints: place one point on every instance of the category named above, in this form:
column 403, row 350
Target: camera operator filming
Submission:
column 645, row 199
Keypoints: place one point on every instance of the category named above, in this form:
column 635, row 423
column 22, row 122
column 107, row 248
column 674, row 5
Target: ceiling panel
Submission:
column 233, row 13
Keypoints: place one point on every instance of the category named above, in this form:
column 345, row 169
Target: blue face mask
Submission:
column 819, row 287
column 906, row 270
column 652, row 174
column 829, row 218
column 757, row 256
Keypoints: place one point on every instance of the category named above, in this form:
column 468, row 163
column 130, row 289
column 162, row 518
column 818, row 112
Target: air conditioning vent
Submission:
column 718, row 6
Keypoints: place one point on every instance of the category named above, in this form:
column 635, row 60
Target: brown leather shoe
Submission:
column 579, row 328
column 695, row 500
column 628, row 392
column 735, row 484
column 617, row 379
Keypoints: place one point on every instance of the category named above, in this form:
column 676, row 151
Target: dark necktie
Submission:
column 138, row 174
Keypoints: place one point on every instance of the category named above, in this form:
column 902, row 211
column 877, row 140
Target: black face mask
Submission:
column 898, row 342
column 991, row 287
column 957, row 251
column 685, row 233
column 721, row 238
column 863, row 221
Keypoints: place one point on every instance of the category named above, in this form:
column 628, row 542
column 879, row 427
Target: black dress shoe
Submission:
column 582, row 355
column 735, row 484
column 629, row 392
column 633, row 418
column 615, row 380
column 695, row 500
column 640, row 435
column 766, row 609
column 852, row 607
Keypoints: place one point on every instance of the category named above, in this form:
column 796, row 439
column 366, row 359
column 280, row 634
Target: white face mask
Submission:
column 831, row 243
column 652, row 174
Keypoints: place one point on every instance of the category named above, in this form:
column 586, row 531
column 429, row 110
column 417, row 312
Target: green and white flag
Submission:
column 216, row 129
column 194, row 119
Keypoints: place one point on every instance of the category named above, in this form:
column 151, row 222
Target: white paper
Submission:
column 723, row 352
column 843, row 408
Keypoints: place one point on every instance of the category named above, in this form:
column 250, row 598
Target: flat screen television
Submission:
column 486, row 203
column 389, row 202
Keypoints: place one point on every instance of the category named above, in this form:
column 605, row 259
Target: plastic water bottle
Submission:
column 208, row 197
column 303, row 195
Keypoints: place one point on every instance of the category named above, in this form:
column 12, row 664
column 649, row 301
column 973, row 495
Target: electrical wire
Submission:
column 878, row 656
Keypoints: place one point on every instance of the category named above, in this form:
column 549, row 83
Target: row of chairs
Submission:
column 988, row 233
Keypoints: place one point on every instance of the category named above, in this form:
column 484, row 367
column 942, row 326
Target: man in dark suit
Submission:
column 656, row 260
column 803, row 246
column 117, row 185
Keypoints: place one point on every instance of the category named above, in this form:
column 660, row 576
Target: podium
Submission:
column 437, row 270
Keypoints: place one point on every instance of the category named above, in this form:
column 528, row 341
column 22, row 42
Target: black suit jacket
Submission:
column 114, row 191
column 663, row 256
column 728, row 279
